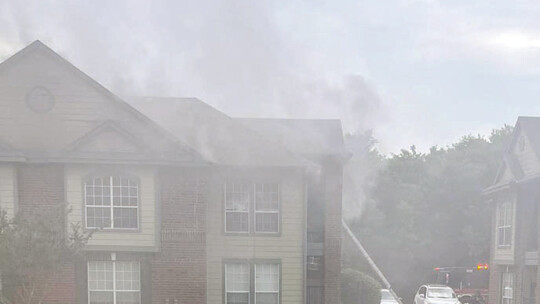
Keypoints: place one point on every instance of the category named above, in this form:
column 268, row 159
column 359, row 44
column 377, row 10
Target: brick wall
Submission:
column 332, row 234
column 179, row 269
column 41, row 187
column 494, row 284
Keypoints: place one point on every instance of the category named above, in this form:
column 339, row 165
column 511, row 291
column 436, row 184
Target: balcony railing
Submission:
column 315, row 244
column 314, row 295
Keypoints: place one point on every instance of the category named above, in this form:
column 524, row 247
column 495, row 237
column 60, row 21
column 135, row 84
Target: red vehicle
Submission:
column 469, row 283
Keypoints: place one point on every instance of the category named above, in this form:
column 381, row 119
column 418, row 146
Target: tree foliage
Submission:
column 359, row 288
column 425, row 209
column 34, row 245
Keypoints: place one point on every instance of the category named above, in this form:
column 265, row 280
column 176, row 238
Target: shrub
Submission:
column 359, row 288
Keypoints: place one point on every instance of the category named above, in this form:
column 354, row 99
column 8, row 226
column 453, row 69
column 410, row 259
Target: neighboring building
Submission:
column 515, row 197
column 192, row 206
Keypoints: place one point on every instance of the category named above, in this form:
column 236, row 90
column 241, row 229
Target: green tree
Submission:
column 426, row 210
column 34, row 245
column 359, row 288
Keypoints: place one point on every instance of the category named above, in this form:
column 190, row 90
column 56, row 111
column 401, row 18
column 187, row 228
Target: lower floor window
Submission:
column 507, row 290
column 114, row 282
column 252, row 283
column 266, row 283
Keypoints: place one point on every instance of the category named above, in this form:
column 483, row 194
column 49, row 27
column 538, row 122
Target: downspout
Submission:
column 371, row 263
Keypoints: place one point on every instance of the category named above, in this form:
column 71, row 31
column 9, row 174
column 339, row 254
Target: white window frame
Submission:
column 114, row 290
column 277, row 211
column 505, row 219
column 252, row 209
column 252, row 280
column 111, row 206
column 234, row 211
column 277, row 292
column 227, row 291
column 507, row 288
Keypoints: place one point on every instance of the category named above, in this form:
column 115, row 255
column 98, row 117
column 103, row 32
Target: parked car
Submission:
column 387, row 297
column 435, row 294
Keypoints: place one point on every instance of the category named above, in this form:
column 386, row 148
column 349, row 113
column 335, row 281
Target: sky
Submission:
column 414, row 72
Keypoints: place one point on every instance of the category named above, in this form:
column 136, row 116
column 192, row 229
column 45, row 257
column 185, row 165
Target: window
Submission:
column 266, row 283
column 111, row 202
column 237, row 283
column 237, row 202
column 114, row 282
column 504, row 224
column 254, row 205
column 266, row 208
column 241, row 289
column 507, row 290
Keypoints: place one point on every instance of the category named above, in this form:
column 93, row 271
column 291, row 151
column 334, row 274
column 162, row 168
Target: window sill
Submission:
column 253, row 234
column 114, row 230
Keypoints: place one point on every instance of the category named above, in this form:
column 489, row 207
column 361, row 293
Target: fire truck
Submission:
column 469, row 283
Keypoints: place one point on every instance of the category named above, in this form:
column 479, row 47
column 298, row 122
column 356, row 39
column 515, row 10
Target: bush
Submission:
column 359, row 288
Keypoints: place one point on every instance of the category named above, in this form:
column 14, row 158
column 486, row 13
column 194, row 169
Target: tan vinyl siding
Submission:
column 77, row 105
column 8, row 189
column 287, row 247
column 145, row 236
column 526, row 156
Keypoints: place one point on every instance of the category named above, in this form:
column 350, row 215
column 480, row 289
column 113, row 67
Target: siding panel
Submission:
column 145, row 237
column 288, row 247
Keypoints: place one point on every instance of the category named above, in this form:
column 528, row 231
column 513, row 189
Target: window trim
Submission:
column 226, row 212
column 252, row 209
column 267, row 292
column 278, row 211
column 503, row 286
column 120, row 174
column 236, row 292
column 114, row 291
column 505, row 228
column 251, row 263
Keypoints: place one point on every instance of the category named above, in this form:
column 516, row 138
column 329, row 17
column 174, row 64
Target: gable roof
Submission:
column 218, row 137
column 312, row 138
column 165, row 146
column 529, row 127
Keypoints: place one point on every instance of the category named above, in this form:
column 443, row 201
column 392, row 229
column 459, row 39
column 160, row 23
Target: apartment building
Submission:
column 515, row 198
column 188, row 204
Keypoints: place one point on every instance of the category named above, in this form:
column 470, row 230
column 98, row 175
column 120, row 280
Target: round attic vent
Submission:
column 40, row 100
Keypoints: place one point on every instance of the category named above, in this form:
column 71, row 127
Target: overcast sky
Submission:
column 421, row 72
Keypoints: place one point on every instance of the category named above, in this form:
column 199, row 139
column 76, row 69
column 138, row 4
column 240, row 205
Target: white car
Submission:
column 387, row 297
column 435, row 294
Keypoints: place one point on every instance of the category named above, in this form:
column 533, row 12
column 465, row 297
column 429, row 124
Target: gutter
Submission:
column 510, row 184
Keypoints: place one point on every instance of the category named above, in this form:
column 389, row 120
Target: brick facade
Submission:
column 177, row 272
column 87, row 128
column 332, row 234
column 494, row 284
column 41, row 187
column 179, row 269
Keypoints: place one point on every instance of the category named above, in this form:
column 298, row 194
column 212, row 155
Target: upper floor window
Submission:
column 266, row 208
column 254, row 205
column 237, row 207
column 504, row 224
column 111, row 201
